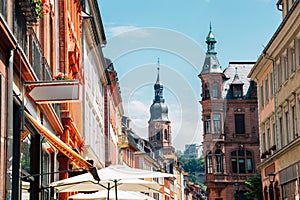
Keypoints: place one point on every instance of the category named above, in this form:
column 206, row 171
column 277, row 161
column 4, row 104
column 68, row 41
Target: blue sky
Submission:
column 140, row 31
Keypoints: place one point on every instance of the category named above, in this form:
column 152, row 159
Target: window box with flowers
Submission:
column 60, row 76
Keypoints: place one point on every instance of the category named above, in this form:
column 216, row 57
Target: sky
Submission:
column 139, row 32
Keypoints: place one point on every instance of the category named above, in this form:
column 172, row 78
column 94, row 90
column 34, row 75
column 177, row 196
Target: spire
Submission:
column 158, row 109
column 158, row 87
column 236, row 79
column 211, row 41
column 211, row 63
column 157, row 81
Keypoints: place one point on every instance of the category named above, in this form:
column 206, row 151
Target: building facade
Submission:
column 277, row 75
column 230, row 121
column 94, row 71
column 54, row 79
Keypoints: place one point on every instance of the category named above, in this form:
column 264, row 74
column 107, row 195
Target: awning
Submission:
column 60, row 145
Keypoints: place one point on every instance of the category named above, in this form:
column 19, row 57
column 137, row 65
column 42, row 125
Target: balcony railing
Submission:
column 35, row 55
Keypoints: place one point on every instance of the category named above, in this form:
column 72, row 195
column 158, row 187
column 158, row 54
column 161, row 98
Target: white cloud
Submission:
column 138, row 113
column 126, row 30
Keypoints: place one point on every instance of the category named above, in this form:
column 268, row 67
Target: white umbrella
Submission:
column 126, row 184
column 113, row 173
column 122, row 195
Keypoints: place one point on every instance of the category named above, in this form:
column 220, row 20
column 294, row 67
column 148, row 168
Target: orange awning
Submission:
column 60, row 145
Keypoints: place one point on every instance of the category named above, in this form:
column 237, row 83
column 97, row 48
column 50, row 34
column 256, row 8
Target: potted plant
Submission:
column 60, row 76
column 41, row 7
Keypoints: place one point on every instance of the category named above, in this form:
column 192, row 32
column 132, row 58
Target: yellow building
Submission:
column 277, row 73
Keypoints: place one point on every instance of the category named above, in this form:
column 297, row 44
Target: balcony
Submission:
column 28, row 8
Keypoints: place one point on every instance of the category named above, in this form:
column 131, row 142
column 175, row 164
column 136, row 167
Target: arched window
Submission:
column 215, row 90
column 166, row 135
column 219, row 161
column 242, row 161
column 209, row 163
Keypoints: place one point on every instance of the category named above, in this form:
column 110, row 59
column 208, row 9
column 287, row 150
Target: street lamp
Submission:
column 237, row 188
column 271, row 177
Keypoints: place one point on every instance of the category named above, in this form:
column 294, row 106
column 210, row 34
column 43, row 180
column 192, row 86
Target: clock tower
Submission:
column 159, row 131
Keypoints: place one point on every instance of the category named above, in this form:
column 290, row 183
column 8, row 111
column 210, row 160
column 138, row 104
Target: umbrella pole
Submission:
column 108, row 189
column 116, row 192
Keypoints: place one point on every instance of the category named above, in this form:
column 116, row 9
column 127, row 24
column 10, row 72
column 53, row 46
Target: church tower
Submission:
column 159, row 131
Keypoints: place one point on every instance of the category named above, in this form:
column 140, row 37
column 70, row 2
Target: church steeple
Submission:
column 159, row 123
column 211, row 63
column 158, row 109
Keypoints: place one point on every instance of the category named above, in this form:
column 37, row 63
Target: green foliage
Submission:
column 192, row 166
column 255, row 186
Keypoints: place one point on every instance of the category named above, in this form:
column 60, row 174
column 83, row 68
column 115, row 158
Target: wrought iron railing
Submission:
column 47, row 73
column 35, row 55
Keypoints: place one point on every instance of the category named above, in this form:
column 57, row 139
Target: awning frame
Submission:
column 63, row 147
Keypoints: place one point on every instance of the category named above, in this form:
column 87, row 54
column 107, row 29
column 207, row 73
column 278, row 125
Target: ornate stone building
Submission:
column 230, row 124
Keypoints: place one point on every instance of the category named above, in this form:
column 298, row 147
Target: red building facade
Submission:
column 230, row 124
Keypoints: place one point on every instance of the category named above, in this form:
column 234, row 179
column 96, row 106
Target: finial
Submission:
column 157, row 70
column 210, row 26
column 236, row 71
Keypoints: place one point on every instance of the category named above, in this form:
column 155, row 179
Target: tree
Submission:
column 192, row 166
column 255, row 186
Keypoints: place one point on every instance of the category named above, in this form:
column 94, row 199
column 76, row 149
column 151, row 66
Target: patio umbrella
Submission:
column 112, row 174
column 125, row 184
column 122, row 195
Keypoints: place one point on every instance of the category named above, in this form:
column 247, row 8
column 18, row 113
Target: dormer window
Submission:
column 237, row 91
column 237, row 86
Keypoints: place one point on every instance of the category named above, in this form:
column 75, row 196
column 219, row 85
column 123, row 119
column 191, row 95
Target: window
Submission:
column 263, row 142
column 217, row 123
column 158, row 135
column 262, row 95
column 281, row 132
column 239, row 121
column 207, row 128
column 287, row 127
column 266, row 90
column 219, row 161
column 274, row 139
column 269, row 137
column 298, row 56
column 3, row 9
column 166, row 135
column 285, row 67
column 293, row 122
column 206, row 91
column 279, row 73
column 215, row 90
column 271, row 84
column 237, row 91
column 209, row 163
column 242, row 161
column 293, row 60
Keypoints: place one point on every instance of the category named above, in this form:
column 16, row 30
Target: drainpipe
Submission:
column 13, row 153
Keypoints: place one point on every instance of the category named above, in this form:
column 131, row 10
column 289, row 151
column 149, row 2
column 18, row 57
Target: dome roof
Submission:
column 159, row 112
